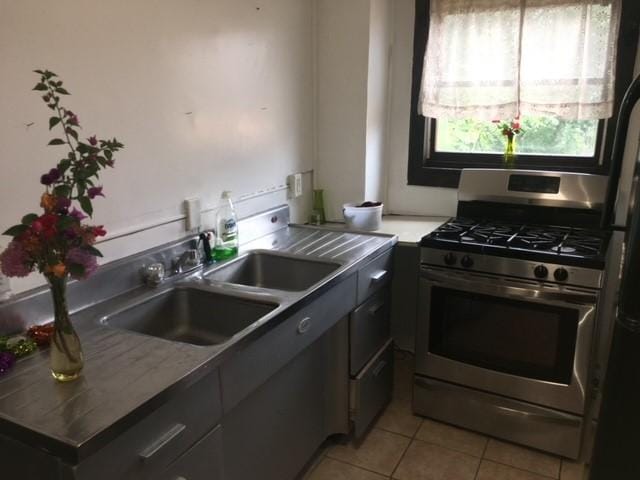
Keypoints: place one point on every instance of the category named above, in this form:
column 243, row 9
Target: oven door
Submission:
column 522, row 339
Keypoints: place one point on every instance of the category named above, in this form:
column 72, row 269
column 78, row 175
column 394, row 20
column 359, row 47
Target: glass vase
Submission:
column 318, row 207
column 66, row 352
column 510, row 152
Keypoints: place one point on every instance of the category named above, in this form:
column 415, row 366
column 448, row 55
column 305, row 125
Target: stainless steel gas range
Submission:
column 508, row 297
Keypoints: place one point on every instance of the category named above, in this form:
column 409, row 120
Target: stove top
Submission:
column 564, row 245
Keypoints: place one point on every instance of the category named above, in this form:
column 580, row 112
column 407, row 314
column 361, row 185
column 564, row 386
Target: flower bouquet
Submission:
column 56, row 242
column 510, row 130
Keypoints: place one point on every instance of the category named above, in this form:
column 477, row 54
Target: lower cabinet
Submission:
column 203, row 461
column 272, row 433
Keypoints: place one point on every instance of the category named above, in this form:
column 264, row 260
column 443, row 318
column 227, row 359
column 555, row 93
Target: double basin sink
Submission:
column 201, row 311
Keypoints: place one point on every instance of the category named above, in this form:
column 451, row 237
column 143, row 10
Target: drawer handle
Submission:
column 304, row 325
column 379, row 276
column 373, row 311
column 379, row 368
column 160, row 442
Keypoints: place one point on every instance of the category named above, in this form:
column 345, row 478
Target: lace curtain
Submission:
column 491, row 59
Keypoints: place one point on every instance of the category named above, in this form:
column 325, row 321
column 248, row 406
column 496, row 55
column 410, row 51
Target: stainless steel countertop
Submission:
column 127, row 375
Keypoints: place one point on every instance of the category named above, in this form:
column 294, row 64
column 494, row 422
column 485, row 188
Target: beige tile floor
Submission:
column 403, row 446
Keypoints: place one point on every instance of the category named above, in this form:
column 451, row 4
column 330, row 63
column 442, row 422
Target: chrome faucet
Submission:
column 189, row 260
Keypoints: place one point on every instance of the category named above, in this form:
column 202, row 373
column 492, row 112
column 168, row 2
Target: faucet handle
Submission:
column 192, row 258
column 154, row 274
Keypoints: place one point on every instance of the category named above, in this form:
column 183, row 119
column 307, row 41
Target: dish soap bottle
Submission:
column 226, row 244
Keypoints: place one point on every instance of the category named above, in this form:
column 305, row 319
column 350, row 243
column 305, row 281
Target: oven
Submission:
column 524, row 339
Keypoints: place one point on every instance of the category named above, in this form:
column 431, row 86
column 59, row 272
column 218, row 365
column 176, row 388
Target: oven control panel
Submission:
column 513, row 267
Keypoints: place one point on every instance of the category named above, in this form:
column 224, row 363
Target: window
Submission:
column 439, row 149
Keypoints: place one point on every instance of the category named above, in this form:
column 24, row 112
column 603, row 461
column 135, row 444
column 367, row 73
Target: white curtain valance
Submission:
column 497, row 59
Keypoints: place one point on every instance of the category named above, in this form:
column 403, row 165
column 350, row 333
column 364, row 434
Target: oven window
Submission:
column 521, row 338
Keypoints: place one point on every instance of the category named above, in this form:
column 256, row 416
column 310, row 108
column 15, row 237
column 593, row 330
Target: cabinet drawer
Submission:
column 371, row 389
column 374, row 275
column 369, row 329
column 147, row 448
column 251, row 367
column 203, row 461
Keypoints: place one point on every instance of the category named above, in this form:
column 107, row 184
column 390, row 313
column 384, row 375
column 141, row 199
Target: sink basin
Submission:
column 268, row 270
column 190, row 315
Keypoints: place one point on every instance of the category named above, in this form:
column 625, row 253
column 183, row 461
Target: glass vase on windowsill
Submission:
column 510, row 152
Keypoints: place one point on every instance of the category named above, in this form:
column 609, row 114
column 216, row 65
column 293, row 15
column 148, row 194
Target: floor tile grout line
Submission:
column 413, row 439
column 486, row 444
column 357, row 466
column 520, row 469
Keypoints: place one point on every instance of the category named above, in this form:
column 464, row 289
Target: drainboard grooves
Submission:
column 326, row 244
column 349, row 239
column 314, row 242
column 303, row 239
column 358, row 245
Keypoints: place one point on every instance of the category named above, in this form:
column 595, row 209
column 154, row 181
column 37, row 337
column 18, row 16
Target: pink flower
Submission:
column 77, row 214
column 93, row 140
column 93, row 192
column 14, row 261
column 81, row 257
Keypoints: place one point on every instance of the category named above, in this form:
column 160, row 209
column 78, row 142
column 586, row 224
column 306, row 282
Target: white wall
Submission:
column 342, row 72
column 377, row 99
column 402, row 198
column 206, row 96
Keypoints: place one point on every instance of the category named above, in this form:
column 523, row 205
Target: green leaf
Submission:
column 64, row 165
column 62, row 91
column 85, row 204
column 53, row 121
column 66, row 221
column 72, row 132
column 29, row 219
column 62, row 191
column 41, row 87
column 16, row 230
column 56, row 141
column 93, row 251
column 76, row 270
column 40, row 72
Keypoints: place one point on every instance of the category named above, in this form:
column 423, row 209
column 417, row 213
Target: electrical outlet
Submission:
column 192, row 210
column 295, row 185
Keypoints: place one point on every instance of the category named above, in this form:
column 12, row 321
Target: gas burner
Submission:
column 512, row 239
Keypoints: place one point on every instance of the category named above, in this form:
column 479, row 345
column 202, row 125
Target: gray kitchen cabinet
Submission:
column 274, row 421
column 274, row 432
column 370, row 344
column 203, row 461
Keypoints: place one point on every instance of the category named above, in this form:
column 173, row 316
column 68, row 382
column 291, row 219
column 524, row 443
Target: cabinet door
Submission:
column 203, row 461
column 272, row 433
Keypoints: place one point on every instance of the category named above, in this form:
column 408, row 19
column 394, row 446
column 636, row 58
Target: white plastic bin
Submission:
column 362, row 218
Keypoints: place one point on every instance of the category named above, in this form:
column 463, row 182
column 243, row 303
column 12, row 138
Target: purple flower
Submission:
column 46, row 179
column 81, row 257
column 7, row 360
column 14, row 261
column 93, row 140
column 54, row 174
column 93, row 192
column 77, row 214
column 63, row 203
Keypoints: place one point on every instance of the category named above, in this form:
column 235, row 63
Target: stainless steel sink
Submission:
column 274, row 271
column 190, row 315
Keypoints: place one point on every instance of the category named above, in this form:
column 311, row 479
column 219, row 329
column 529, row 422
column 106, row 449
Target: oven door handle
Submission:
column 503, row 287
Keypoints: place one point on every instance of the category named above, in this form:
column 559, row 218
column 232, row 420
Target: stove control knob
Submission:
column 450, row 259
column 541, row 271
column 561, row 274
column 467, row 261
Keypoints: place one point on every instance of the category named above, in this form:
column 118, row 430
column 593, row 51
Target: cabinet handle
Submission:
column 304, row 325
column 160, row 442
column 379, row 276
column 376, row 308
column 379, row 368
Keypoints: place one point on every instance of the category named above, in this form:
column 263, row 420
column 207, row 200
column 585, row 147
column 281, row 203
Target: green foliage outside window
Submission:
column 541, row 136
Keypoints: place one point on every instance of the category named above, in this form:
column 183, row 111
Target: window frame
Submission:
column 427, row 167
